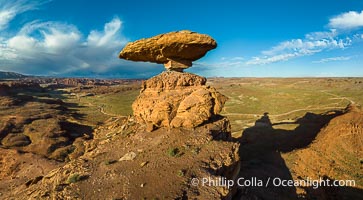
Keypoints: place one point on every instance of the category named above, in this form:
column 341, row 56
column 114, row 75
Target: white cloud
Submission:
column 225, row 62
column 5, row 17
column 96, row 38
column 348, row 20
column 339, row 58
column 321, row 35
column 237, row 58
column 61, row 48
column 218, row 64
column 10, row 8
column 55, row 38
column 312, row 43
column 60, row 41
column 266, row 60
column 58, row 48
column 22, row 43
column 357, row 37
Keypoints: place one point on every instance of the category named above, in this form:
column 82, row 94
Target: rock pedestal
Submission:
column 175, row 99
column 173, row 65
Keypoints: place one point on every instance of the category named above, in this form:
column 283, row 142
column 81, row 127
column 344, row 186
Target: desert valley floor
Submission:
column 287, row 127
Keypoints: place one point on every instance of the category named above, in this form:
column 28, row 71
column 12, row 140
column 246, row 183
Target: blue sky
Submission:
column 260, row 38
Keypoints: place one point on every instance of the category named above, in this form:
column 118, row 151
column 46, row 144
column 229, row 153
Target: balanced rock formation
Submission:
column 176, row 50
column 173, row 98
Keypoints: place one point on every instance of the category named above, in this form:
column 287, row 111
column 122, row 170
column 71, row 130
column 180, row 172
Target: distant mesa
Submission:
column 176, row 50
column 11, row 75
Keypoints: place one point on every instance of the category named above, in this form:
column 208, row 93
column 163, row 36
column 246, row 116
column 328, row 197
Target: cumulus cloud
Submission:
column 59, row 48
column 348, row 20
column 312, row 43
column 9, row 9
column 339, row 58
column 55, row 38
column 104, row 38
column 62, row 49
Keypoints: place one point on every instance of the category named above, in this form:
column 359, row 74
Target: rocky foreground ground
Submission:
column 123, row 162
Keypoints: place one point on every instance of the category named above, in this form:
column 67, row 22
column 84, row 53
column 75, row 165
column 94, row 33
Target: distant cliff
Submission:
column 11, row 75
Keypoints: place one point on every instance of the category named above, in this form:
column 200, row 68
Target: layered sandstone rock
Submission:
column 175, row 99
column 176, row 50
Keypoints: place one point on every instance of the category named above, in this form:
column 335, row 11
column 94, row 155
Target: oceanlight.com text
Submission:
column 275, row 181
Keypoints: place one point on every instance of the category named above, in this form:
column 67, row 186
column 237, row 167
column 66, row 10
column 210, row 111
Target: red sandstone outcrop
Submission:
column 175, row 99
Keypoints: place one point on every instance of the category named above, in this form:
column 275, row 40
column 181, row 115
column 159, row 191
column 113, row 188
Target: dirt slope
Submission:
column 335, row 154
column 165, row 162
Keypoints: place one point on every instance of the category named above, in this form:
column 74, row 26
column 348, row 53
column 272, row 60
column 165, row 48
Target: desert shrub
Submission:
column 109, row 162
column 181, row 173
column 73, row 178
column 173, row 152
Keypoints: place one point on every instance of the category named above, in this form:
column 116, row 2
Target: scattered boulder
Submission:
column 16, row 140
column 129, row 156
